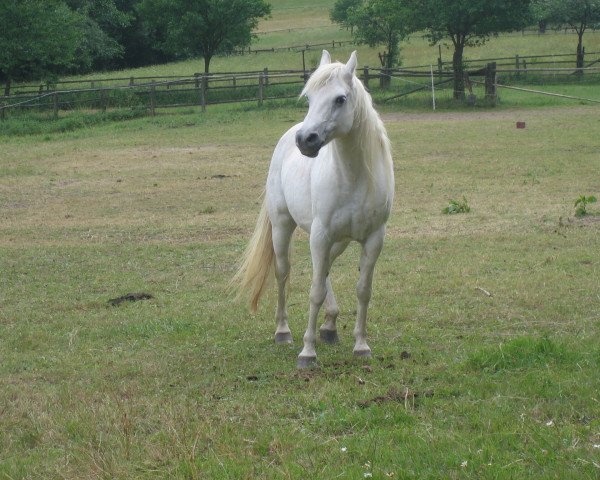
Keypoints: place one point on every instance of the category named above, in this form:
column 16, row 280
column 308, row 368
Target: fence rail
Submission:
column 200, row 90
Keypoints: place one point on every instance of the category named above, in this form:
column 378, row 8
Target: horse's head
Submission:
column 331, row 103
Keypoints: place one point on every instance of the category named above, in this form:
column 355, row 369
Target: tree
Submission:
column 340, row 12
column 138, row 39
column 380, row 22
column 188, row 28
column 38, row 38
column 102, row 24
column 468, row 23
column 577, row 14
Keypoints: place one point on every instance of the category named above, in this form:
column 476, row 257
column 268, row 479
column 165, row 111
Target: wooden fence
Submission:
column 199, row 90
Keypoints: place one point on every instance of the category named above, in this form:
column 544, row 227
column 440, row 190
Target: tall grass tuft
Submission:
column 520, row 353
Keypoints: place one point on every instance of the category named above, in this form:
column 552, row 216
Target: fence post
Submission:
column 304, row 75
column 55, row 103
column 7, row 88
column 517, row 65
column 131, row 81
column 385, row 77
column 260, row 89
column 266, row 74
column 366, row 76
column 490, row 83
column 103, row 100
column 203, row 92
column 152, row 99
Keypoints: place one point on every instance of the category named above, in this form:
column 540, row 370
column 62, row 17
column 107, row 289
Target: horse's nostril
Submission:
column 312, row 138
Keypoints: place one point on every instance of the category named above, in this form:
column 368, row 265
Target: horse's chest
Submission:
column 356, row 217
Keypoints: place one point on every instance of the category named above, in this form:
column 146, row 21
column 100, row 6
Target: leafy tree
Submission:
column 340, row 12
column 102, row 24
column 468, row 23
column 577, row 14
column 188, row 28
column 141, row 46
column 540, row 14
column 381, row 22
column 38, row 38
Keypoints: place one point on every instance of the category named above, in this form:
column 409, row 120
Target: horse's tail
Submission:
column 257, row 263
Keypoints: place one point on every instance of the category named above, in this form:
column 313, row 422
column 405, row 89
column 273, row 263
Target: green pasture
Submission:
column 414, row 51
column 295, row 23
column 483, row 325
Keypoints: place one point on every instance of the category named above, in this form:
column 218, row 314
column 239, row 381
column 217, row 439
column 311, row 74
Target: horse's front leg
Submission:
column 370, row 253
column 320, row 247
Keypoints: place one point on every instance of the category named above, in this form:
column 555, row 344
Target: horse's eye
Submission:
column 340, row 100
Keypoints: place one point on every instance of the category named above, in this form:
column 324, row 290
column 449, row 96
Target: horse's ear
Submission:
column 351, row 66
column 325, row 58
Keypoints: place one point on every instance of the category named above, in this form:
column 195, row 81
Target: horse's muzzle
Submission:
column 309, row 144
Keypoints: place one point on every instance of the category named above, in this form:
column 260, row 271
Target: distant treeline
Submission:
column 41, row 39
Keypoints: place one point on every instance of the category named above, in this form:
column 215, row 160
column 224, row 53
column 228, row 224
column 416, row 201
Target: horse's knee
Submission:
column 318, row 293
column 282, row 271
column 363, row 292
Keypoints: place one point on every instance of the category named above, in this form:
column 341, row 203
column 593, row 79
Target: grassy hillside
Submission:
column 296, row 23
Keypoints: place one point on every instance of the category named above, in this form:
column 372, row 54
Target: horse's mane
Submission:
column 374, row 140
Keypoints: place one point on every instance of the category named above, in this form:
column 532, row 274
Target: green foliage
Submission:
column 38, row 38
column 457, row 206
column 102, row 23
column 341, row 12
column 581, row 204
column 376, row 22
column 577, row 14
column 468, row 23
column 205, row 27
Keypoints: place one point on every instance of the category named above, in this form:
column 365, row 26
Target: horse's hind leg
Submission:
column 282, row 234
column 328, row 331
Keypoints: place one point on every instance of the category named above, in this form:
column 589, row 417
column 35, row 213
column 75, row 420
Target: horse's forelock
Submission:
column 322, row 76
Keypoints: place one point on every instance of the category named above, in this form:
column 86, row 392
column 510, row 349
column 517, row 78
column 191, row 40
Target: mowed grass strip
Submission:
column 484, row 325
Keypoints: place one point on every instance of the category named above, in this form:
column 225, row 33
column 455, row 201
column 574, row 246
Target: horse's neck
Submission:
column 354, row 151
column 349, row 151
column 365, row 156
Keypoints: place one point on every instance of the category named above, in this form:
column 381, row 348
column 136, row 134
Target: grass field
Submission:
column 301, row 22
column 484, row 326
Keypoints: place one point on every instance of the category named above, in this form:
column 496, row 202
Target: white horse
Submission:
column 331, row 175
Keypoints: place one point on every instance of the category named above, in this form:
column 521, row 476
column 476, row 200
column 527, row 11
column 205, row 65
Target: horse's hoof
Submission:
column 282, row 338
column 329, row 336
column 364, row 353
column 306, row 362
